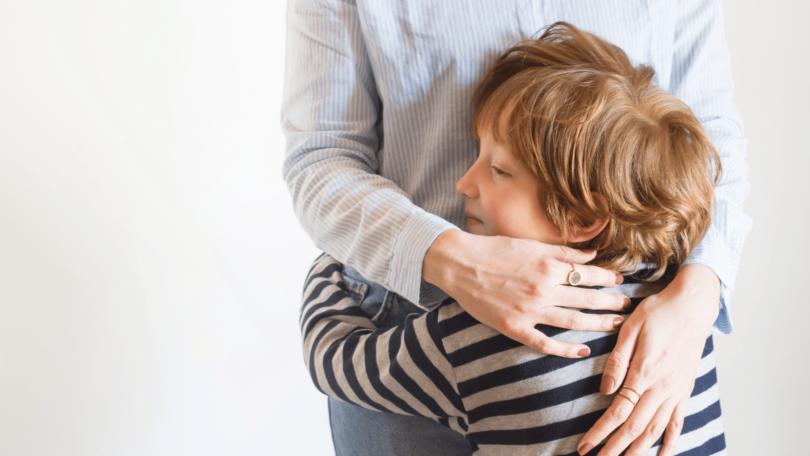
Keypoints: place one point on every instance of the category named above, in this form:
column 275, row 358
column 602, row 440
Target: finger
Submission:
column 654, row 430
column 618, row 412
column 533, row 338
column 578, row 321
column 583, row 298
column 569, row 255
column 619, row 360
column 634, row 426
column 591, row 275
column 674, row 428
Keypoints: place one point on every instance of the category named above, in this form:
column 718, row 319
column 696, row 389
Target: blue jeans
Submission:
column 357, row 431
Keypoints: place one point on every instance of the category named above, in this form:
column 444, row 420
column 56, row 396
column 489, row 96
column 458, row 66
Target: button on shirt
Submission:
column 378, row 105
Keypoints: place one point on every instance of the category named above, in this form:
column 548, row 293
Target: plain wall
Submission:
column 151, row 264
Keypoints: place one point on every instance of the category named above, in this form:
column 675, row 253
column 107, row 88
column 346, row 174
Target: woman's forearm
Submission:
column 514, row 284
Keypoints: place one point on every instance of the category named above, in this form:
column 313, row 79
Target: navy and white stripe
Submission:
column 443, row 364
column 378, row 104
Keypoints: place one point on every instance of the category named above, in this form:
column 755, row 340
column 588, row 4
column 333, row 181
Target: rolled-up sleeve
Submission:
column 331, row 116
column 701, row 77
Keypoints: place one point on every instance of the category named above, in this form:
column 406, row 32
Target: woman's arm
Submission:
column 400, row 370
column 331, row 117
column 512, row 285
column 664, row 338
column 663, row 360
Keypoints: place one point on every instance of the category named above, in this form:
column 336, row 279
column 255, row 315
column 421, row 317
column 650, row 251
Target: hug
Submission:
column 569, row 315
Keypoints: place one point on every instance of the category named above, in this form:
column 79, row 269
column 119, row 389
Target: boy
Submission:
column 577, row 148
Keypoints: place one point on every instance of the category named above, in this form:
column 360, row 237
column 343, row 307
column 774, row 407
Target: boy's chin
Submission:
column 478, row 229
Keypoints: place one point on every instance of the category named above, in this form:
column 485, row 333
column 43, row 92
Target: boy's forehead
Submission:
column 498, row 127
column 498, row 149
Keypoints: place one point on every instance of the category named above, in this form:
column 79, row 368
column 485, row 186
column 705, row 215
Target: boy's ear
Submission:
column 582, row 234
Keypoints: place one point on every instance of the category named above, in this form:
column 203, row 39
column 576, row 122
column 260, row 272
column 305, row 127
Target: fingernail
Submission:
column 627, row 303
column 583, row 352
column 619, row 279
column 584, row 448
column 607, row 384
column 618, row 322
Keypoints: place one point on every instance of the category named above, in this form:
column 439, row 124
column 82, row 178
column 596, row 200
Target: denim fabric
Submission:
column 386, row 308
column 357, row 431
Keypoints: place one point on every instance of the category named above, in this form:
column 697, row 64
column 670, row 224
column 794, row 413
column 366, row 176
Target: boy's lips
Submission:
column 472, row 217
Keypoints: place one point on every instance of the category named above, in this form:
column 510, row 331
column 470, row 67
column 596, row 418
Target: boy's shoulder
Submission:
column 638, row 285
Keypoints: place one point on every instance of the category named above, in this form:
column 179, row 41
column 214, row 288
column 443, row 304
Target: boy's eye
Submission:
column 499, row 171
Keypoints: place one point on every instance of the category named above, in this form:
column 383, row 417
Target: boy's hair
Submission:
column 583, row 119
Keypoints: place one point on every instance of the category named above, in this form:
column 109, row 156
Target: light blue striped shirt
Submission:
column 377, row 112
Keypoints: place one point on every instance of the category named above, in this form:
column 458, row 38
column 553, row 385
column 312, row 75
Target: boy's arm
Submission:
column 400, row 370
column 701, row 77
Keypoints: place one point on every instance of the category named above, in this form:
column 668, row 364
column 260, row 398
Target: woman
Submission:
column 386, row 208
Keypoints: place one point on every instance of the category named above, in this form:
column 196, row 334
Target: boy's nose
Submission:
column 466, row 185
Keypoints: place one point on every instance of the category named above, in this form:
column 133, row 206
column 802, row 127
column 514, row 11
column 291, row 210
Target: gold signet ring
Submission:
column 574, row 277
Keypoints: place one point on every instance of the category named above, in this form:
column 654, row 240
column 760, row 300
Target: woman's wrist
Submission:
column 440, row 257
column 697, row 287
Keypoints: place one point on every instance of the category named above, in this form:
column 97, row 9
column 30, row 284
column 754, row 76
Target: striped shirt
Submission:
column 377, row 113
column 506, row 398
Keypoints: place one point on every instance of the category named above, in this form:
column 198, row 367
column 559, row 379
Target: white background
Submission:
column 151, row 264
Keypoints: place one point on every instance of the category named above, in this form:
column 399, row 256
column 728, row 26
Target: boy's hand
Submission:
column 514, row 284
column 657, row 354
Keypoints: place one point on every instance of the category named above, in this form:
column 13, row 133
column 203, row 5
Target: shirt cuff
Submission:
column 405, row 272
column 717, row 257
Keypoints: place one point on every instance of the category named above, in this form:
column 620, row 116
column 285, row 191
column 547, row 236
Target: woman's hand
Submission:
column 514, row 284
column 662, row 343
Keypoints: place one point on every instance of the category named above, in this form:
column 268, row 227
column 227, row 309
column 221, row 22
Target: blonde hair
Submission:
column 583, row 119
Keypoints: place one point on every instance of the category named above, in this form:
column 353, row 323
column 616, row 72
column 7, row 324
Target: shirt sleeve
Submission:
column 400, row 370
column 331, row 116
column 701, row 77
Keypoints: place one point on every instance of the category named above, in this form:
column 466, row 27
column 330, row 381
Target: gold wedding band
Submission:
column 628, row 398
column 574, row 277
column 634, row 402
column 631, row 389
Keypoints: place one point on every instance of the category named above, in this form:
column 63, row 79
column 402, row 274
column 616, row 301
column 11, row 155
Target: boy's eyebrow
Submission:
column 509, row 164
column 501, row 153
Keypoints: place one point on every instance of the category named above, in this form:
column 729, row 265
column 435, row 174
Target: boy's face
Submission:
column 502, row 196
